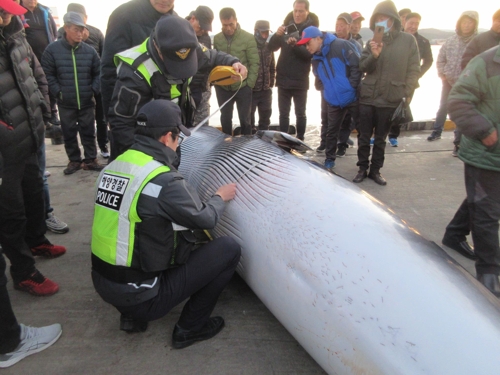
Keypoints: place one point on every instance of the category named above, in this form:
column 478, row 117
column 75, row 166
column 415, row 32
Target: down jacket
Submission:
column 473, row 106
column 72, row 73
column 21, row 82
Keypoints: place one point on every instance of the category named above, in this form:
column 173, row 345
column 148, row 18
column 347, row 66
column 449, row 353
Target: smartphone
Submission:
column 378, row 34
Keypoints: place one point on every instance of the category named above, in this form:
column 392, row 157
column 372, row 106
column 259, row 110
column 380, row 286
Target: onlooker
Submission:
column 294, row 65
column 392, row 69
column 128, row 26
column 336, row 64
column 164, row 268
column 22, row 209
column 94, row 38
column 41, row 31
column 160, row 68
column 242, row 45
column 449, row 69
column 459, row 226
column 403, row 13
column 426, row 59
column 262, row 94
column 483, row 41
column 201, row 20
column 72, row 70
column 357, row 18
column 472, row 107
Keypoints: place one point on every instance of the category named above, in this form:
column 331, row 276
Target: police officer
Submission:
column 143, row 261
column 160, row 68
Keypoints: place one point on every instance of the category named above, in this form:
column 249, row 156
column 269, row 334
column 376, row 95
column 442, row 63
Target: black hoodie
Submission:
column 294, row 63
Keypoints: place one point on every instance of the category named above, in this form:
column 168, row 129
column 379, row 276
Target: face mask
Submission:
column 384, row 25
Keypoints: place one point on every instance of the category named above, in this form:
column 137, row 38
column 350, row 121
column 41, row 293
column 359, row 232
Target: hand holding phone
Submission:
column 378, row 34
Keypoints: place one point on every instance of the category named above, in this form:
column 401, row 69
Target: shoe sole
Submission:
column 58, row 231
column 47, row 255
column 13, row 361
column 185, row 344
column 30, row 291
column 66, row 172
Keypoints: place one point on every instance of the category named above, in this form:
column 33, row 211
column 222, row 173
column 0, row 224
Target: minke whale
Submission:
column 358, row 288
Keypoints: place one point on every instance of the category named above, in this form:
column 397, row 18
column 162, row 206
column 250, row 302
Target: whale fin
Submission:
column 283, row 140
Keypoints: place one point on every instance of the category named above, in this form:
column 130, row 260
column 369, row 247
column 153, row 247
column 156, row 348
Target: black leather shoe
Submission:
column 182, row 338
column 360, row 176
column 491, row 282
column 463, row 247
column 131, row 325
column 377, row 177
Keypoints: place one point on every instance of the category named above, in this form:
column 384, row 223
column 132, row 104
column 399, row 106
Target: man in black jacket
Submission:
column 72, row 70
column 129, row 25
column 22, row 210
column 294, row 66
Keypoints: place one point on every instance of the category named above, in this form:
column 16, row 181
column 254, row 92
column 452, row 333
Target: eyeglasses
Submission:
column 180, row 139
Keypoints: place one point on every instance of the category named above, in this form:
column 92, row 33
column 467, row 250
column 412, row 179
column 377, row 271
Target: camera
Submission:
column 292, row 32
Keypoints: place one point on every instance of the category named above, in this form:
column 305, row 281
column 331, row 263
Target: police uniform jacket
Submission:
column 132, row 91
column 169, row 198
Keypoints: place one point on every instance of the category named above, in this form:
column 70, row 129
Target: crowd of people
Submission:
column 147, row 80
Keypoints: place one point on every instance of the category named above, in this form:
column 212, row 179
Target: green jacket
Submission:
column 244, row 47
column 473, row 105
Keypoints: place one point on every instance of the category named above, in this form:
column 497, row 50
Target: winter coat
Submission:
column 424, row 48
column 199, row 82
column 41, row 30
column 450, row 55
column 22, row 103
column 129, row 25
column 267, row 69
column 72, row 73
column 243, row 46
column 473, row 106
column 479, row 44
column 337, row 67
column 294, row 63
column 394, row 74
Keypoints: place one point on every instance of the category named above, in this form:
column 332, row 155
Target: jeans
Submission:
column 442, row 112
column 299, row 97
column 243, row 101
column 202, row 278
column 263, row 102
column 373, row 120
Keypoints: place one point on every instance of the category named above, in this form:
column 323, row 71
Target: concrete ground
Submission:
column 425, row 187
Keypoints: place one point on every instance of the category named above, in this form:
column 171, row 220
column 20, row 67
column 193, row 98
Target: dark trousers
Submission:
column 46, row 191
column 459, row 226
column 324, row 119
column 299, row 97
column 442, row 112
column 202, row 278
column 78, row 121
column 376, row 121
column 243, row 101
column 9, row 328
column 483, row 200
column 101, row 124
column 263, row 102
column 336, row 116
column 22, row 214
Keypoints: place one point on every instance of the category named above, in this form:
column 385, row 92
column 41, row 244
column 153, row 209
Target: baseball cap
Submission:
column 78, row 8
column 309, row 33
column 262, row 25
column 161, row 113
column 176, row 39
column 346, row 17
column 74, row 19
column 10, row 6
column 205, row 16
column 356, row 15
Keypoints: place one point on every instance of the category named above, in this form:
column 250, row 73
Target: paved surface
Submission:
column 425, row 187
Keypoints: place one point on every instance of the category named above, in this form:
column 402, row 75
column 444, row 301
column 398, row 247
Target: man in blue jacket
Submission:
column 336, row 64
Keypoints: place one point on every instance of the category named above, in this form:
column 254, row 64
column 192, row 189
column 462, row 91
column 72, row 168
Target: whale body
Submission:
column 358, row 288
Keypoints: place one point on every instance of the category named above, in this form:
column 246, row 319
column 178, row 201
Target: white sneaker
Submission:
column 46, row 174
column 33, row 340
column 55, row 225
column 105, row 154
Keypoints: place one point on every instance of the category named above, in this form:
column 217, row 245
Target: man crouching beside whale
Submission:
column 143, row 261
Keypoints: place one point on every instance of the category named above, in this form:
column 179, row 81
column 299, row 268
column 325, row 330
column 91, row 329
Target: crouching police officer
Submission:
column 143, row 261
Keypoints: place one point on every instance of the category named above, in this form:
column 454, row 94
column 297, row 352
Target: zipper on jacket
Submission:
column 76, row 77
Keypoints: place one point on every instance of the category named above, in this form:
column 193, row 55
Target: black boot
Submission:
column 131, row 325
column 182, row 338
column 490, row 281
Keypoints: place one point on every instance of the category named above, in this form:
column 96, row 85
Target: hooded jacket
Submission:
column 450, row 55
column 337, row 67
column 22, row 102
column 294, row 63
column 394, row 74
column 129, row 25
column 473, row 106
column 479, row 44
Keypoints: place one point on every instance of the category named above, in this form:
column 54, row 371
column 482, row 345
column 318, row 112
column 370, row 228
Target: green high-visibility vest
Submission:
column 115, row 212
